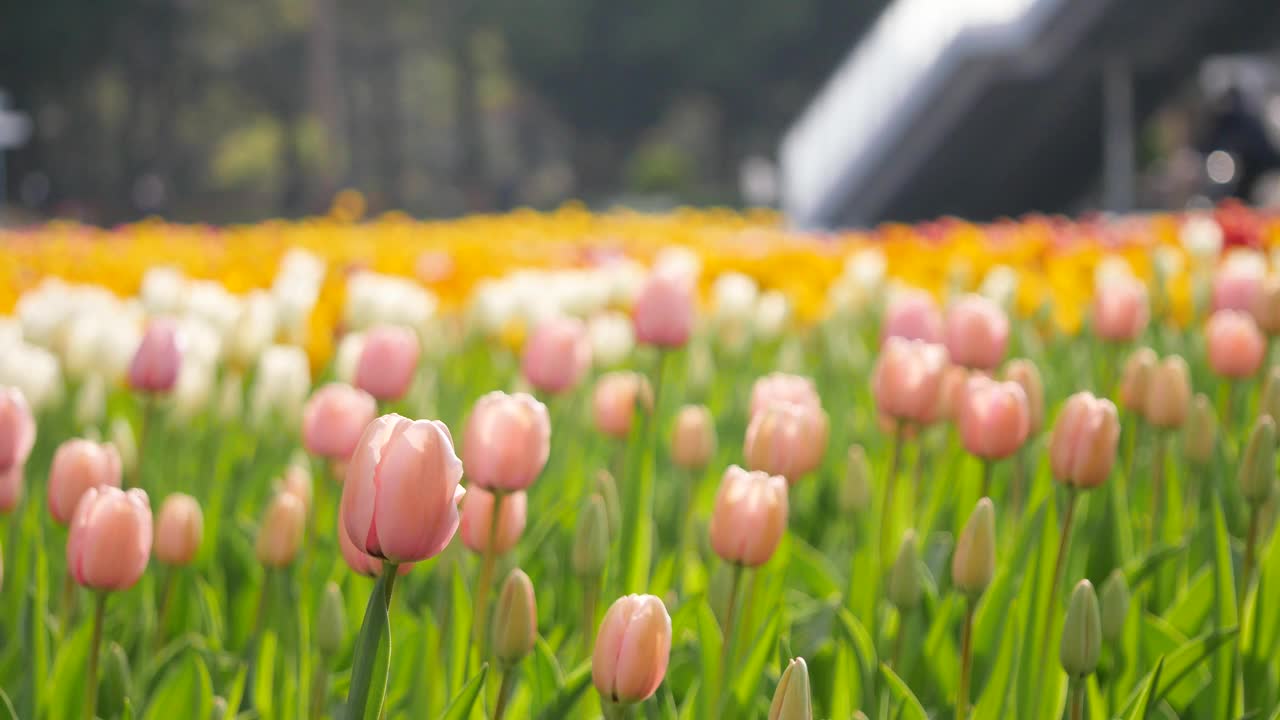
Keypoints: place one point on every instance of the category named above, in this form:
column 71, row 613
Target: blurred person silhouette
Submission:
column 1233, row 127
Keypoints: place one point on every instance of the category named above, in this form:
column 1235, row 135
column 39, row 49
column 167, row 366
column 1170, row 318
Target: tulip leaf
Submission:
column 185, row 691
column 995, row 701
column 460, row 707
column 750, row 672
column 264, row 690
column 1192, row 606
column 575, row 684
column 370, row 663
column 1140, row 708
column 235, row 691
column 1225, row 616
column 6, row 707
column 542, row 672
column 710, row 644
column 864, row 652
column 1181, row 663
column 811, row 570
column 909, row 708
column 69, row 668
column 458, row 627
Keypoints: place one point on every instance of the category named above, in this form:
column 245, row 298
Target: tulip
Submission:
column 91, row 401
column 950, row 393
column 1114, row 603
column 1082, row 448
column 280, row 387
column 334, row 419
column 907, row 380
column 633, row 647
column 1168, row 393
column 346, row 359
column 904, row 579
column 359, row 561
column 109, row 538
column 515, row 620
column 297, row 482
column 253, row 330
column 612, row 338
column 591, row 540
column 912, row 315
column 1200, row 434
column 1120, row 310
column 783, row 387
column 281, row 531
column 786, row 439
column 179, row 530
column 557, row 355
column 749, row 518
column 477, row 529
column 994, row 418
column 17, row 428
column 155, row 364
column 400, row 499
column 1266, row 307
column 1238, row 284
column 79, row 465
column 1025, row 373
column 1081, row 645
column 1137, row 372
column 11, row 488
column 1257, row 471
column 663, row 310
column 855, row 491
column 387, row 362
column 616, row 397
column 772, row 312
column 1236, row 346
column 507, row 441
column 330, row 625
column 693, row 439
column 976, row 333
column 974, row 561
column 791, row 699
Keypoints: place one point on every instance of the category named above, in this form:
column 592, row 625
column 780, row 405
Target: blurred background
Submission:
column 840, row 112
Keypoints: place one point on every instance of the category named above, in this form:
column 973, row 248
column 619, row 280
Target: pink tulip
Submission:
column 400, row 500
column 912, row 315
column 179, row 529
column 1236, row 345
column 1238, row 286
column 994, row 418
column 477, row 521
column 17, row 428
column 1120, row 310
column 387, row 362
column 977, row 333
column 1082, row 448
column 79, row 465
column 907, row 380
column 633, row 647
column 557, row 355
column 360, row 562
column 786, row 439
column 663, row 311
column 334, row 419
column 783, row 387
column 110, row 538
column 616, row 398
column 156, row 362
column 281, row 533
column 693, row 439
column 1266, row 308
column 507, row 441
column 749, row 517
column 11, row 487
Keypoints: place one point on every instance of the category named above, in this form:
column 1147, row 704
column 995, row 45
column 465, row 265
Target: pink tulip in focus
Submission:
column 507, row 441
column 994, row 419
column 387, row 362
column 334, row 419
column 977, row 333
column 663, row 311
column 907, row 379
column 1236, row 345
column 1082, row 448
column 179, row 529
column 617, row 397
column 1120, row 310
column 557, row 355
column 633, row 647
column 400, row 500
column 110, row 538
column 912, row 315
column 155, row 364
column 360, row 562
column 477, row 521
column 749, row 517
column 786, row 439
column 79, row 465
column 1238, row 286
column 783, row 387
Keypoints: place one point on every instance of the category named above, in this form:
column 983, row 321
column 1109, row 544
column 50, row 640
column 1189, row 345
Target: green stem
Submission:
column 748, row 608
column 1019, row 478
column 166, row 601
column 616, row 711
column 376, row 622
column 918, row 472
column 95, row 647
column 1157, row 488
column 1077, row 698
column 144, row 425
column 886, row 509
column 480, row 619
column 899, row 639
column 68, row 602
column 504, row 691
column 726, row 648
column 1059, row 565
column 1250, row 550
column 966, row 662
column 319, row 688
column 260, row 615
column 589, row 594
column 987, row 467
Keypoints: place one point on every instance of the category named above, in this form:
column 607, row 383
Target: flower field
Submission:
column 685, row 466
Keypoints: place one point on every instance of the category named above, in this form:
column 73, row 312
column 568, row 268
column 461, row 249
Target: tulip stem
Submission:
column 1077, row 698
column 480, row 618
column 899, row 638
column 616, row 711
column 1059, row 564
column 726, row 648
column 748, row 605
column 504, row 691
column 966, row 653
column 1250, row 549
column 922, row 452
column 95, row 646
column 589, row 594
column 319, row 687
column 166, row 600
column 1157, row 489
column 144, row 425
column 1019, row 478
column 987, row 467
column 68, row 600
column 886, row 510
column 260, row 615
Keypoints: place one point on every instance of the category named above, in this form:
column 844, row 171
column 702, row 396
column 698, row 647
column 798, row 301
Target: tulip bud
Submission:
column 640, row 625
column 331, row 621
column 591, row 541
column 859, row 715
column 1025, row 373
column 608, row 489
column 280, row 535
column 1115, row 605
column 618, row 396
column 114, row 688
column 297, row 482
column 219, row 708
column 1168, row 393
column 1200, row 434
column 1258, row 465
column 1269, row 401
column 974, row 561
column 1082, row 448
column 1081, row 632
column 179, row 529
column 855, row 491
column 791, row 699
column 1135, row 377
column 515, row 620
column 904, row 578
column 693, row 439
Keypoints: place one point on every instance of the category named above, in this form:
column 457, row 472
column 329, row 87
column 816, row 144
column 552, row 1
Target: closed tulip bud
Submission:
column 1115, row 605
column 507, row 441
column 121, row 437
column 617, row 397
column 1269, row 401
column 779, row 387
column 331, row 621
column 1024, row 373
column 109, row 540
column 791, row 700
column 297, row 482
column 976, row 333
column 1266, row 308
column 1200, row 434
column 855, row 491
column 1135, row 377
column 912, row 314
column 1082, row 448
column 515, row 620
column 557, row 355
column 664, row 309
column 1236, row 345
column 859, row 715
column 79, row 465
column 280, row 535
column 477, row 530
column 608, row 489
column 179, row 529
column 994, row 418
column 1168, row 393
column 219, row 708
column 1258, row 465
column 693, row 439
column 591, row 540
column 632, row 650
column 974, row 561
column 17, row 428
column 904, row 578
column 1081, row 632
column 750, row 516
column 155, row 364
column 334, row 419
column 907, row 379
column 388, row 359
column 1120, row 309
column 786, row 439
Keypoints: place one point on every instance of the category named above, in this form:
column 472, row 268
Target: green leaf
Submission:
column 264, row 676
column 1189, row 610
column 811, row 570
column 1224, row 599
column 1180, row 664
column 69, row 668
column 370, row 662
column 6, row 707
column 461, row 608
column 909, row 708
column 1141, row 709
column 710, row 644
column 994, row 703
column 185, row 691
column 864, row 652
column 460, row 707
column 751, row 672
column 543, row 674
column 235, row 691
column 575, row 683
column 1144, row 567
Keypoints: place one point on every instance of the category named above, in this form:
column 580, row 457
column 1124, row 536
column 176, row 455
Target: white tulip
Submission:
column 192, row 392
column 866, row 267
column 91, row 401
column 301, row 265
column 678, row 260
column 347, row 358
column 33, row 370
column 281, row 386
column 613, row 337
column 163, row 290
column 1000, row 285
column 200, row 342
column 625, row 278
column 1168, row 261
column 733, row 297
column 773, row 310
column 1202, row 237
column 254, row 330
column 211, row 302
column 230, row 398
